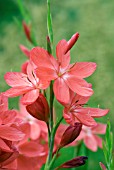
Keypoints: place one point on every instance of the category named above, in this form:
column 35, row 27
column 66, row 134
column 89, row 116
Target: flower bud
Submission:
column 25, row 50
column 78, row 161
column 70, row 134
column 27, row 31
column 102, row 166
column 72, row 41
column 39, row 109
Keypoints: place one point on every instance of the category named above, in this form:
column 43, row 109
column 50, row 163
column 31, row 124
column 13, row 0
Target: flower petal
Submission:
column 98, row 140
column 8, row 116
column 15, row 79
column 91, row 143
column 17, row 91
column 99, row 129
column 4, row 146
column 63, row 59
column 45, row 73
column 85, row 119
column 41, row 57
column 94, row 112
column 61, row 90
column 78, row 85
column 83, row 69
column 30, row 149
column 10, row 133
column 30, row 97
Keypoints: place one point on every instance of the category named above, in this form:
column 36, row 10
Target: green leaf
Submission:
column 24, row 12
column 49, row 22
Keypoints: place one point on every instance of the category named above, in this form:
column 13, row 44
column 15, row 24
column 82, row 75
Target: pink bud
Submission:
column 39, row 109
column 25, row 50
column 70, row 134
column 78, row 161
column 72, row 41
column 102, row 166
column 27, row 31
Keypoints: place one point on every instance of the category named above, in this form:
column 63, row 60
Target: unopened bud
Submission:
column 25, row 50
column 102, row 166
column 78, row 161
column 72, row 41
column 39, row 109
column 27, row 31
column 70, row 134
column 48, row 44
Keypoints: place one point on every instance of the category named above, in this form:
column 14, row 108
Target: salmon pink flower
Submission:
column 74, row 111
column 90, row 138
column 67, row 76
column 27, row 85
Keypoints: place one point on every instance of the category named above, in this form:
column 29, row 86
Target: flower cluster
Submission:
column 24, row 134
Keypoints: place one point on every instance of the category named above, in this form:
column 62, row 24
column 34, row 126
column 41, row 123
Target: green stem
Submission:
column 51, row 105
column 51, row 160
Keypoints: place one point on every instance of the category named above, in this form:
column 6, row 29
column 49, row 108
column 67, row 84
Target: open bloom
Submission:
column 67, row 76
column 75, row 112
column 90, row 138
column 27, row 85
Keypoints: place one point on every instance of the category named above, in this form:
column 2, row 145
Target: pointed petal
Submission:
column 78, row 85
column 83, row 69
column 95, row 112
column 61, row 90
column 16, row 79
column 8, row 116
column 30, row 97
column 10, row 133
column 98, row 140
column 85, row 119
column 63, row 59
column 45, row 73
column 91, row 143
column 30, row 149
column 3, row 103
column 25, row 50
column 41, row 57
column 17, row 91
column 4, row 146
column 99, row 129
column 35, row 131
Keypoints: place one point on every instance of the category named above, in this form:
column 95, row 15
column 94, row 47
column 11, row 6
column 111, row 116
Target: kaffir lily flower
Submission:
column 27, row 85
column 90, row 138
column 67, row 76
column 75, row 112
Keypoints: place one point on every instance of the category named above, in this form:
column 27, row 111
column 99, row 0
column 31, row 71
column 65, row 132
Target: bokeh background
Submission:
column 93, row 19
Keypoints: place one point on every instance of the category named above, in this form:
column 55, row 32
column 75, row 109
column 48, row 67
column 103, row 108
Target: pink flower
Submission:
column 27, row 85
column 74, row 111
column 90, row 138
column 67, row 76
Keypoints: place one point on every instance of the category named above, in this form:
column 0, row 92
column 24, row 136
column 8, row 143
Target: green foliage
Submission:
column 108, row 148
column 49, row 22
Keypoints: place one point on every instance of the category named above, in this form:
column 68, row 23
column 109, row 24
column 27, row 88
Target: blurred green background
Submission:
column 93, row 19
